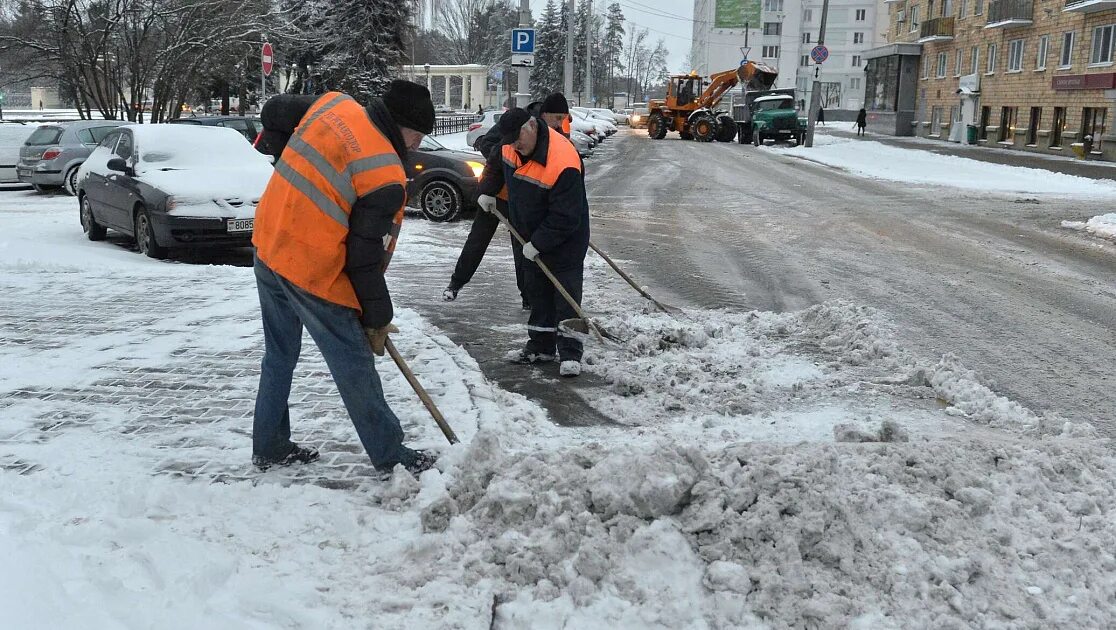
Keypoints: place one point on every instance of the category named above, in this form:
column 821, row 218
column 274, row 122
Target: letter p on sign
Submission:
column 523, row 41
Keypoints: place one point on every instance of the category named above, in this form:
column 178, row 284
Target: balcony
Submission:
column 1089, row 6
column 1010, row 13
column 936, row 30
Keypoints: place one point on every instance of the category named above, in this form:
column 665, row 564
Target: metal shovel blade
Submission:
column 585, row 327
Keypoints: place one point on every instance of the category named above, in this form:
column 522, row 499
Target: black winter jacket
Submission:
column 372, row 214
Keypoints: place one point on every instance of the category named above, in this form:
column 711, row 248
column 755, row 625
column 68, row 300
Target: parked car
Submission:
column 172, row 186
column 12, row 137
column 638, row 118
column 481, row 127
column 52, row 154
column 583, row 143
column 597, row 119
column 248, row 127
column 588, row 125
column 608, row 114
column 442, row 182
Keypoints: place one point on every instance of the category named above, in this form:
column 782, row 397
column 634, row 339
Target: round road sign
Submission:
column 819, row 54
column 268, row 56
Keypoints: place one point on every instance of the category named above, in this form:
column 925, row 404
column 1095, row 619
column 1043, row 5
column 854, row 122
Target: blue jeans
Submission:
column 337, row 332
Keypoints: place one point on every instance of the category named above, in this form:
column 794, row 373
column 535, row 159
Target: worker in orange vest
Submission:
column 325, row 230
column 555, row 111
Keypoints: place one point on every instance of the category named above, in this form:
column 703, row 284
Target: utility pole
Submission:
column 589, row 52
column 523, row 92
column 815, row 93
column 568, row 68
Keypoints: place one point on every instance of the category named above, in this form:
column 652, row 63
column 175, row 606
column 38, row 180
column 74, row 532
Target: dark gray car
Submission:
column 51, row 156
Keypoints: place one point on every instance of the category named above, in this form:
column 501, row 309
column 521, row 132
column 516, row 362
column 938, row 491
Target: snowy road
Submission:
column 990, row 277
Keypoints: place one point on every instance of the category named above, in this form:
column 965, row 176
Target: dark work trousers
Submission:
column 548, row 307
column 480, row 235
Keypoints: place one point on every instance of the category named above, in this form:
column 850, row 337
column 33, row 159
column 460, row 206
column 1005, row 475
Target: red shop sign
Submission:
column 1099, row 81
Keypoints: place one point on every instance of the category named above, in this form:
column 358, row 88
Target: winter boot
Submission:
column 450, row 294
column 298, row 455
column 526, row 304
column 420, row 462
column 526, row 357
column 570, row 368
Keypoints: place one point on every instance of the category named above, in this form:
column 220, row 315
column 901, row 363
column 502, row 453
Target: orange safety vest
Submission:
column 335, row 156
column 560, row 155
column 566, row 125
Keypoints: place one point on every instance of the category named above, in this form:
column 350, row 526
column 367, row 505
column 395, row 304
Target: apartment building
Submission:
column 782, row 33
column 1035, row 75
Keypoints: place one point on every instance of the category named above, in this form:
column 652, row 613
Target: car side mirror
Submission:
column 118, row 164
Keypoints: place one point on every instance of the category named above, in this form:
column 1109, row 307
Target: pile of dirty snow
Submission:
column 1103, row 226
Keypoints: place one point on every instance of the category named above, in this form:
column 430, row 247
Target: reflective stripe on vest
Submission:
column 335, row 156
column 560, row 155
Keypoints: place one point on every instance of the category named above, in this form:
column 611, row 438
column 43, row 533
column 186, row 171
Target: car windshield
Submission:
column 183, row 147
column 44, row 136
column 430, row 144
column 779, row 103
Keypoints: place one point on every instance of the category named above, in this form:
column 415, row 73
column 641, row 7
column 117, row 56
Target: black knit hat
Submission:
column 555, row 104
column 510, row 123
column 410, row 105
column 534, row 108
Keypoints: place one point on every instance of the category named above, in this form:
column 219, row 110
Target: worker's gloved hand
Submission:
column 529, row 251
column 377, row 337
column 487, row 203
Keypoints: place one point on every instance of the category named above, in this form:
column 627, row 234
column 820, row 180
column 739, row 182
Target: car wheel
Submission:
column 440, row 201
column 145, row 236
column 69, row 183
column 93, row 231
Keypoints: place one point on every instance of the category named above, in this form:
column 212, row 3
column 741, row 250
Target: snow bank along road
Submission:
column 804, row 465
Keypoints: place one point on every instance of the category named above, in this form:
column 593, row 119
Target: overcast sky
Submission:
column 668, row 19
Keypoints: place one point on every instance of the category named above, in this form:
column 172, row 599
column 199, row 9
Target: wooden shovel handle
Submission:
column 423, row 396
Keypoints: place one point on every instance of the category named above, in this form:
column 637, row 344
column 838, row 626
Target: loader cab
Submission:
column 686, row 89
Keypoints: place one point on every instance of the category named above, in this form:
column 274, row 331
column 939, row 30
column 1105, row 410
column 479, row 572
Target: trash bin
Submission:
column 1078, row 149
column 971, row 134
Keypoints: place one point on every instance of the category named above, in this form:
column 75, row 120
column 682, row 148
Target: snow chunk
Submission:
column 1103, row 226
column 654, row 486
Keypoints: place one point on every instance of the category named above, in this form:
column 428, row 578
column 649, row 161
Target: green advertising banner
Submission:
column 736, row 14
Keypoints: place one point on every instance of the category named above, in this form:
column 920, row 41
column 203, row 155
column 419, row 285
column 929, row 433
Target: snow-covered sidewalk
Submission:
column 763, row 470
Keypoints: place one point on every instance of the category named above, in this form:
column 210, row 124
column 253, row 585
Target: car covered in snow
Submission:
column 172, row 187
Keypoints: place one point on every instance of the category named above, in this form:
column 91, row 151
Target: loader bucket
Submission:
column 757, row 75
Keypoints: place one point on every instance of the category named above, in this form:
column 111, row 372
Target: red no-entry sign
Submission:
column 268, row 56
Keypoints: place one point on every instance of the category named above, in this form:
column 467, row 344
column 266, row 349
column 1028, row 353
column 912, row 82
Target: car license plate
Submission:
column 23, row 172
column 240, row 225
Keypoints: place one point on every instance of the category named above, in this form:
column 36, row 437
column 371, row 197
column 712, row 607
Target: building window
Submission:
column 808, row 15
column 858, row 38
column 925, row 67
column 861, row 15
column 985, row 117
column 947, row 8
column 941, row 65
column 1015, row 55
column 960, row 63
column 963, row 9
column 1043, row 49
column 772, row 5
column 914, row 18
column 807, row 38
column 854, row 83
column 990, row 67
column 1102, row 45
column 772, row 28
column 978, row 7
column 935, row 121
column 856, row 61
column 1067, row 50
column 804, row 60
column 1007, row 124
column 1032, row 128
column 770, row 52
column 1057, row 126
column 1092, row 124
column 974, row 64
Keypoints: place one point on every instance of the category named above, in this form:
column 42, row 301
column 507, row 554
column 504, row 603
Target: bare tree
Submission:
column 476, row 29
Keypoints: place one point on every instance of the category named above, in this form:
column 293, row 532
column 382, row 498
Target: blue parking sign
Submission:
column 523, row 41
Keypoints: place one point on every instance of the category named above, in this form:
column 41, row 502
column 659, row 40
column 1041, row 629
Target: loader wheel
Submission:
column 704, row 128
column 726, row 128
column 656, row 127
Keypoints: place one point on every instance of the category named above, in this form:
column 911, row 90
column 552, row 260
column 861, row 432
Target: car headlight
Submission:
column 476, row 167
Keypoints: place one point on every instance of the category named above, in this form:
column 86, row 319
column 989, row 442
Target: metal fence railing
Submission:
column 941, row 27
column 454, row 123
column 1007, row 10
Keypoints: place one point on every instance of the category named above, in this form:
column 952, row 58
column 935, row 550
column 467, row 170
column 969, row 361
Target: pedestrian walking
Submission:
column 480, row 111
column 485, row 223
column 325, row 231
column 861, row 121
column 821, row 116
column 548, row 206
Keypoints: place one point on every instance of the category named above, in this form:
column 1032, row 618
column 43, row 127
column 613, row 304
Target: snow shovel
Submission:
column 423, row 396
column 671, row 310
column 583, row 324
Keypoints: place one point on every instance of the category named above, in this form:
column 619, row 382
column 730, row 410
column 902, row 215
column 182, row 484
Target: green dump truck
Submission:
column 769, row 115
